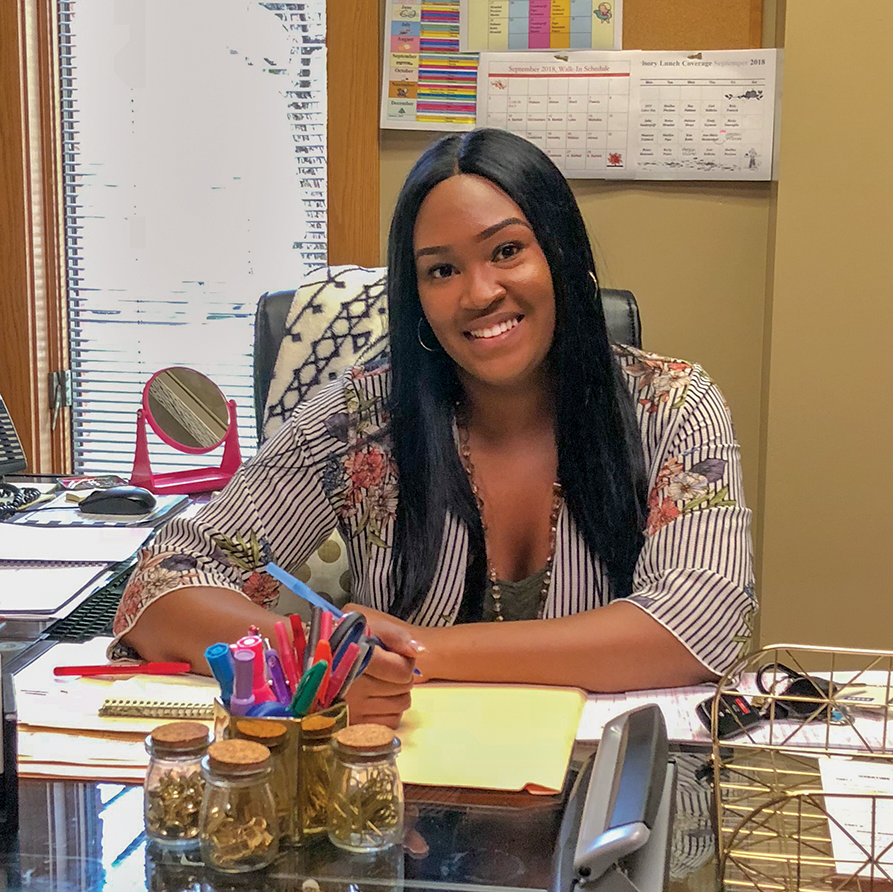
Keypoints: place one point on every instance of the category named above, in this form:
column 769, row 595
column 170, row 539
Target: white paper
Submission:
column 638, row 115
column 576, row 109
column 865, row 730
column 59, row 545
column 40, row 590
column 704, row 116
column 677, row 705
column 852, row 817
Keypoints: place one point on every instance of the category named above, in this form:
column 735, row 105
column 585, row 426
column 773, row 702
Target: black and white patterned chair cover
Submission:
column 338, row 319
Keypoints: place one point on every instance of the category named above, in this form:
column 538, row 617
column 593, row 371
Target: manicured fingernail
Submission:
column 418, row 646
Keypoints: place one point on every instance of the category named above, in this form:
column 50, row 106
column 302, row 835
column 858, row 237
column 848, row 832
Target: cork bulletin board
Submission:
column 692, row 24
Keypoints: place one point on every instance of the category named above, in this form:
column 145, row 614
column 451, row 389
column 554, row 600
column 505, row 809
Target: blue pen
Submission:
column 302, row 590
column 310, row 596
column 353, row 635
column 220, row 660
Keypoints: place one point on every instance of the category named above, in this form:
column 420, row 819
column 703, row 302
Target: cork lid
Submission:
column 317, row 727
column 180, row 737
column 270, row 734
column 367, row 740
column 238, row 756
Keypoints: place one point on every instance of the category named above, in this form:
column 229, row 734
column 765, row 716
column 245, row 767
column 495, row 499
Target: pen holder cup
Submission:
column 301, row 761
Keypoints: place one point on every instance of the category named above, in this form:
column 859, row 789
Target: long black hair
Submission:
column 601, row 466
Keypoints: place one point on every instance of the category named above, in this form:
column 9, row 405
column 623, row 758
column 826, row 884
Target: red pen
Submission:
column 286, row 657
column 339, row 675
column 297, row 633
column 323, row 653
column 326, row 623
column 123, row 669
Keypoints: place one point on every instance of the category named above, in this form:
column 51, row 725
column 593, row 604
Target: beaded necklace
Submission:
column 495, row 590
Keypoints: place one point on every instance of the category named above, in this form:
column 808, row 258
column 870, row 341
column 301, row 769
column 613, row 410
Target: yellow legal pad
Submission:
column 495, row 737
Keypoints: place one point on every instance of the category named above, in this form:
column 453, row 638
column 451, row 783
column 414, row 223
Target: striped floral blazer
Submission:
column 330, row 465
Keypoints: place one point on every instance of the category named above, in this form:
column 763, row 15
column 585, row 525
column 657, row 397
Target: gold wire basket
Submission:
column 777, row 828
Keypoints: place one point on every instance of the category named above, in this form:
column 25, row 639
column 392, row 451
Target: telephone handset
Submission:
column 12, row 455
column 615, row 832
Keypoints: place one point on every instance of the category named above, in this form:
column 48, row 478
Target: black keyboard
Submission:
column 93, row 617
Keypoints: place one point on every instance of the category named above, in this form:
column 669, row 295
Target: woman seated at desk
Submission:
column 507, row 464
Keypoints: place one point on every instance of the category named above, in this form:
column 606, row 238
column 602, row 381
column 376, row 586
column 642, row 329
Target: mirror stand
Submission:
column 192, row 480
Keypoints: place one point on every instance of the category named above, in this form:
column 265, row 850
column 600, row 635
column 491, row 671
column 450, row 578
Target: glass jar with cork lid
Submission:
column 239, row 828
column 314, row 774
column 365, row 812
column 174, row 787
column 274, row 736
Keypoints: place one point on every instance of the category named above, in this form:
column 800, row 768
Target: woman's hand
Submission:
column 382, row 693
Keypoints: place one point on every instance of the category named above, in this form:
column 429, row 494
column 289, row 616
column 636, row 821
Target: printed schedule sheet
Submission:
column 638, row 115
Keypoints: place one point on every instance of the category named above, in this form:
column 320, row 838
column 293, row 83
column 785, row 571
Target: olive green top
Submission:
column 519, row 600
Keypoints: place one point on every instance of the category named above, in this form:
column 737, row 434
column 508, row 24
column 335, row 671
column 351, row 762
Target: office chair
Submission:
column 307, row 337
column 340, row 320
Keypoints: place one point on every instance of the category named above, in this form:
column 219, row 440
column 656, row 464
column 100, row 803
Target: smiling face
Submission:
column 484, row 282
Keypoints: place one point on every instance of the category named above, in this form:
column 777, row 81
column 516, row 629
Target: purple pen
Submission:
column 277, row 677
column 243, row 698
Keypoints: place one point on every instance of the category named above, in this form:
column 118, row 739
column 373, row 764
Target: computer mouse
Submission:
column 118, row 500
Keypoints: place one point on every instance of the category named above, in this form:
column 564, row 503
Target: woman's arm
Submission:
column 614, row 648
column 185, row 622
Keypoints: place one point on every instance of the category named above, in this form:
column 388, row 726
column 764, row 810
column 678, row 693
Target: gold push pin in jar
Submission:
column 173, row 787
column 365, row 796
column 314, row 774
column 274, row 736
column 239, row 829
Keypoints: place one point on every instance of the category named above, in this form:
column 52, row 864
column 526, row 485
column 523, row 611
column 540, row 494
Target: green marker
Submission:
column 307, row 689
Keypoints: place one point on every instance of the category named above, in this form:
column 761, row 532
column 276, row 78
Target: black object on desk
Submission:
column 95, row 616
column 9, row 779
column 126, row 500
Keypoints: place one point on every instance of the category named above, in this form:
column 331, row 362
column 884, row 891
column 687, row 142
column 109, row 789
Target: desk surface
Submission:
column 87, row 837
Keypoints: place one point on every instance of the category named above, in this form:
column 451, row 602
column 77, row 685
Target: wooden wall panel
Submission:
column 17, row 382
column 353, row 40
column 32, row 316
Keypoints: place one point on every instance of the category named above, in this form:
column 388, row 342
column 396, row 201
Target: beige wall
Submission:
column 827, row 555
column 781, row 292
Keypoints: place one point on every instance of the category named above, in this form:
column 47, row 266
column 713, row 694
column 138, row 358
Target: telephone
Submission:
column 615, row 833
column 12, row 456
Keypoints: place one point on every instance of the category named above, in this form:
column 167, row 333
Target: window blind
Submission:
column 194, row 167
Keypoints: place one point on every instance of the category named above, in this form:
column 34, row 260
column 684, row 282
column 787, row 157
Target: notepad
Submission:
column 493, row 737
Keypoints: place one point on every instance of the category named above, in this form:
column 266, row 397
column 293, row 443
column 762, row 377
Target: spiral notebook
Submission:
column 125, row 707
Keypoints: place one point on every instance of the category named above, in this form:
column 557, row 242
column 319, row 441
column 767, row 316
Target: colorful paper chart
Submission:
column 513, row 25
column 428, row 84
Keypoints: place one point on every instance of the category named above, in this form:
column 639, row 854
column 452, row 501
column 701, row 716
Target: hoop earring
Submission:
column 594, row 280
column 424, row 345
